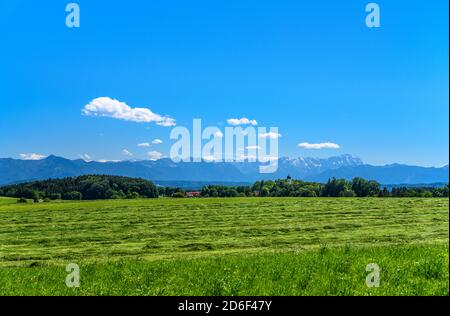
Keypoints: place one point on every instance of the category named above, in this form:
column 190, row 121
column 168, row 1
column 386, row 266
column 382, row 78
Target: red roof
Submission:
column 193, row 193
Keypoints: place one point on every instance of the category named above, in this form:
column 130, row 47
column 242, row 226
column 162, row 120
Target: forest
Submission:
column 89, row 187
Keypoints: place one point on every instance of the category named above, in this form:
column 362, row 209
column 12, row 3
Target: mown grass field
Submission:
column 6, row 201
column 241, row 246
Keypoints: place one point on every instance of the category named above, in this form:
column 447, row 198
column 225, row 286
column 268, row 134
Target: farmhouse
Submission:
column 193, row 194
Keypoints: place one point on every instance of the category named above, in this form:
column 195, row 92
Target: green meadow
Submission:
column 232, row 246
column 6, row 201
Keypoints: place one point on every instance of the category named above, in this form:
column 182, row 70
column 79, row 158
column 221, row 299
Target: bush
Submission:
column 427, row 194
column 178, row 195
column 74, row 195
column 55, row 196
column 347, row 193
column 306, row 193
column 22, row 200
column 133, row 195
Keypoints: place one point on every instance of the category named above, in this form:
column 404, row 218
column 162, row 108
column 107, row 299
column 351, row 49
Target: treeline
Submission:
column 90, row 187
column 358, row 187
column 99, row 187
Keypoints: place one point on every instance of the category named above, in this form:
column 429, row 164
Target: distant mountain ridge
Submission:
column 388, row 174
column 310, row 169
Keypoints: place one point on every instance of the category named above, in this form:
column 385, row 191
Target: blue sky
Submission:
column 311, row 68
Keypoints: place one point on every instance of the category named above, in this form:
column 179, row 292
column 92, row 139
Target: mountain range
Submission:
column 165, row 170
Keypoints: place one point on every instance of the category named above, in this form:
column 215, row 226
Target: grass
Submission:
column 6, row 201
column 247, row 246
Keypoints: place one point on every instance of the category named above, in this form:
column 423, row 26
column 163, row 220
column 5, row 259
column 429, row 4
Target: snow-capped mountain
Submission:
column 311, row 169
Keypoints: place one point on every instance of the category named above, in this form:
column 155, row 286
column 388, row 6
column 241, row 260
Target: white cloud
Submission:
column 218, row 134
column 209, row 158
column 271, row 135
column 319, row 146
column 242, row 121
column 32, row 156
column 144, row 145
column 253, row 147
column 166, row 122
column 157, row 142
column 107, row 107
column 85, row 157
column 125, row 152
column 268, row 158
column 106, row 160
column 154, row 155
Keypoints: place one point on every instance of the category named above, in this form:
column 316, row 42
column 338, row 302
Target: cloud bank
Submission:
column 319, row 146
column 32, row 156
column 154, row 155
